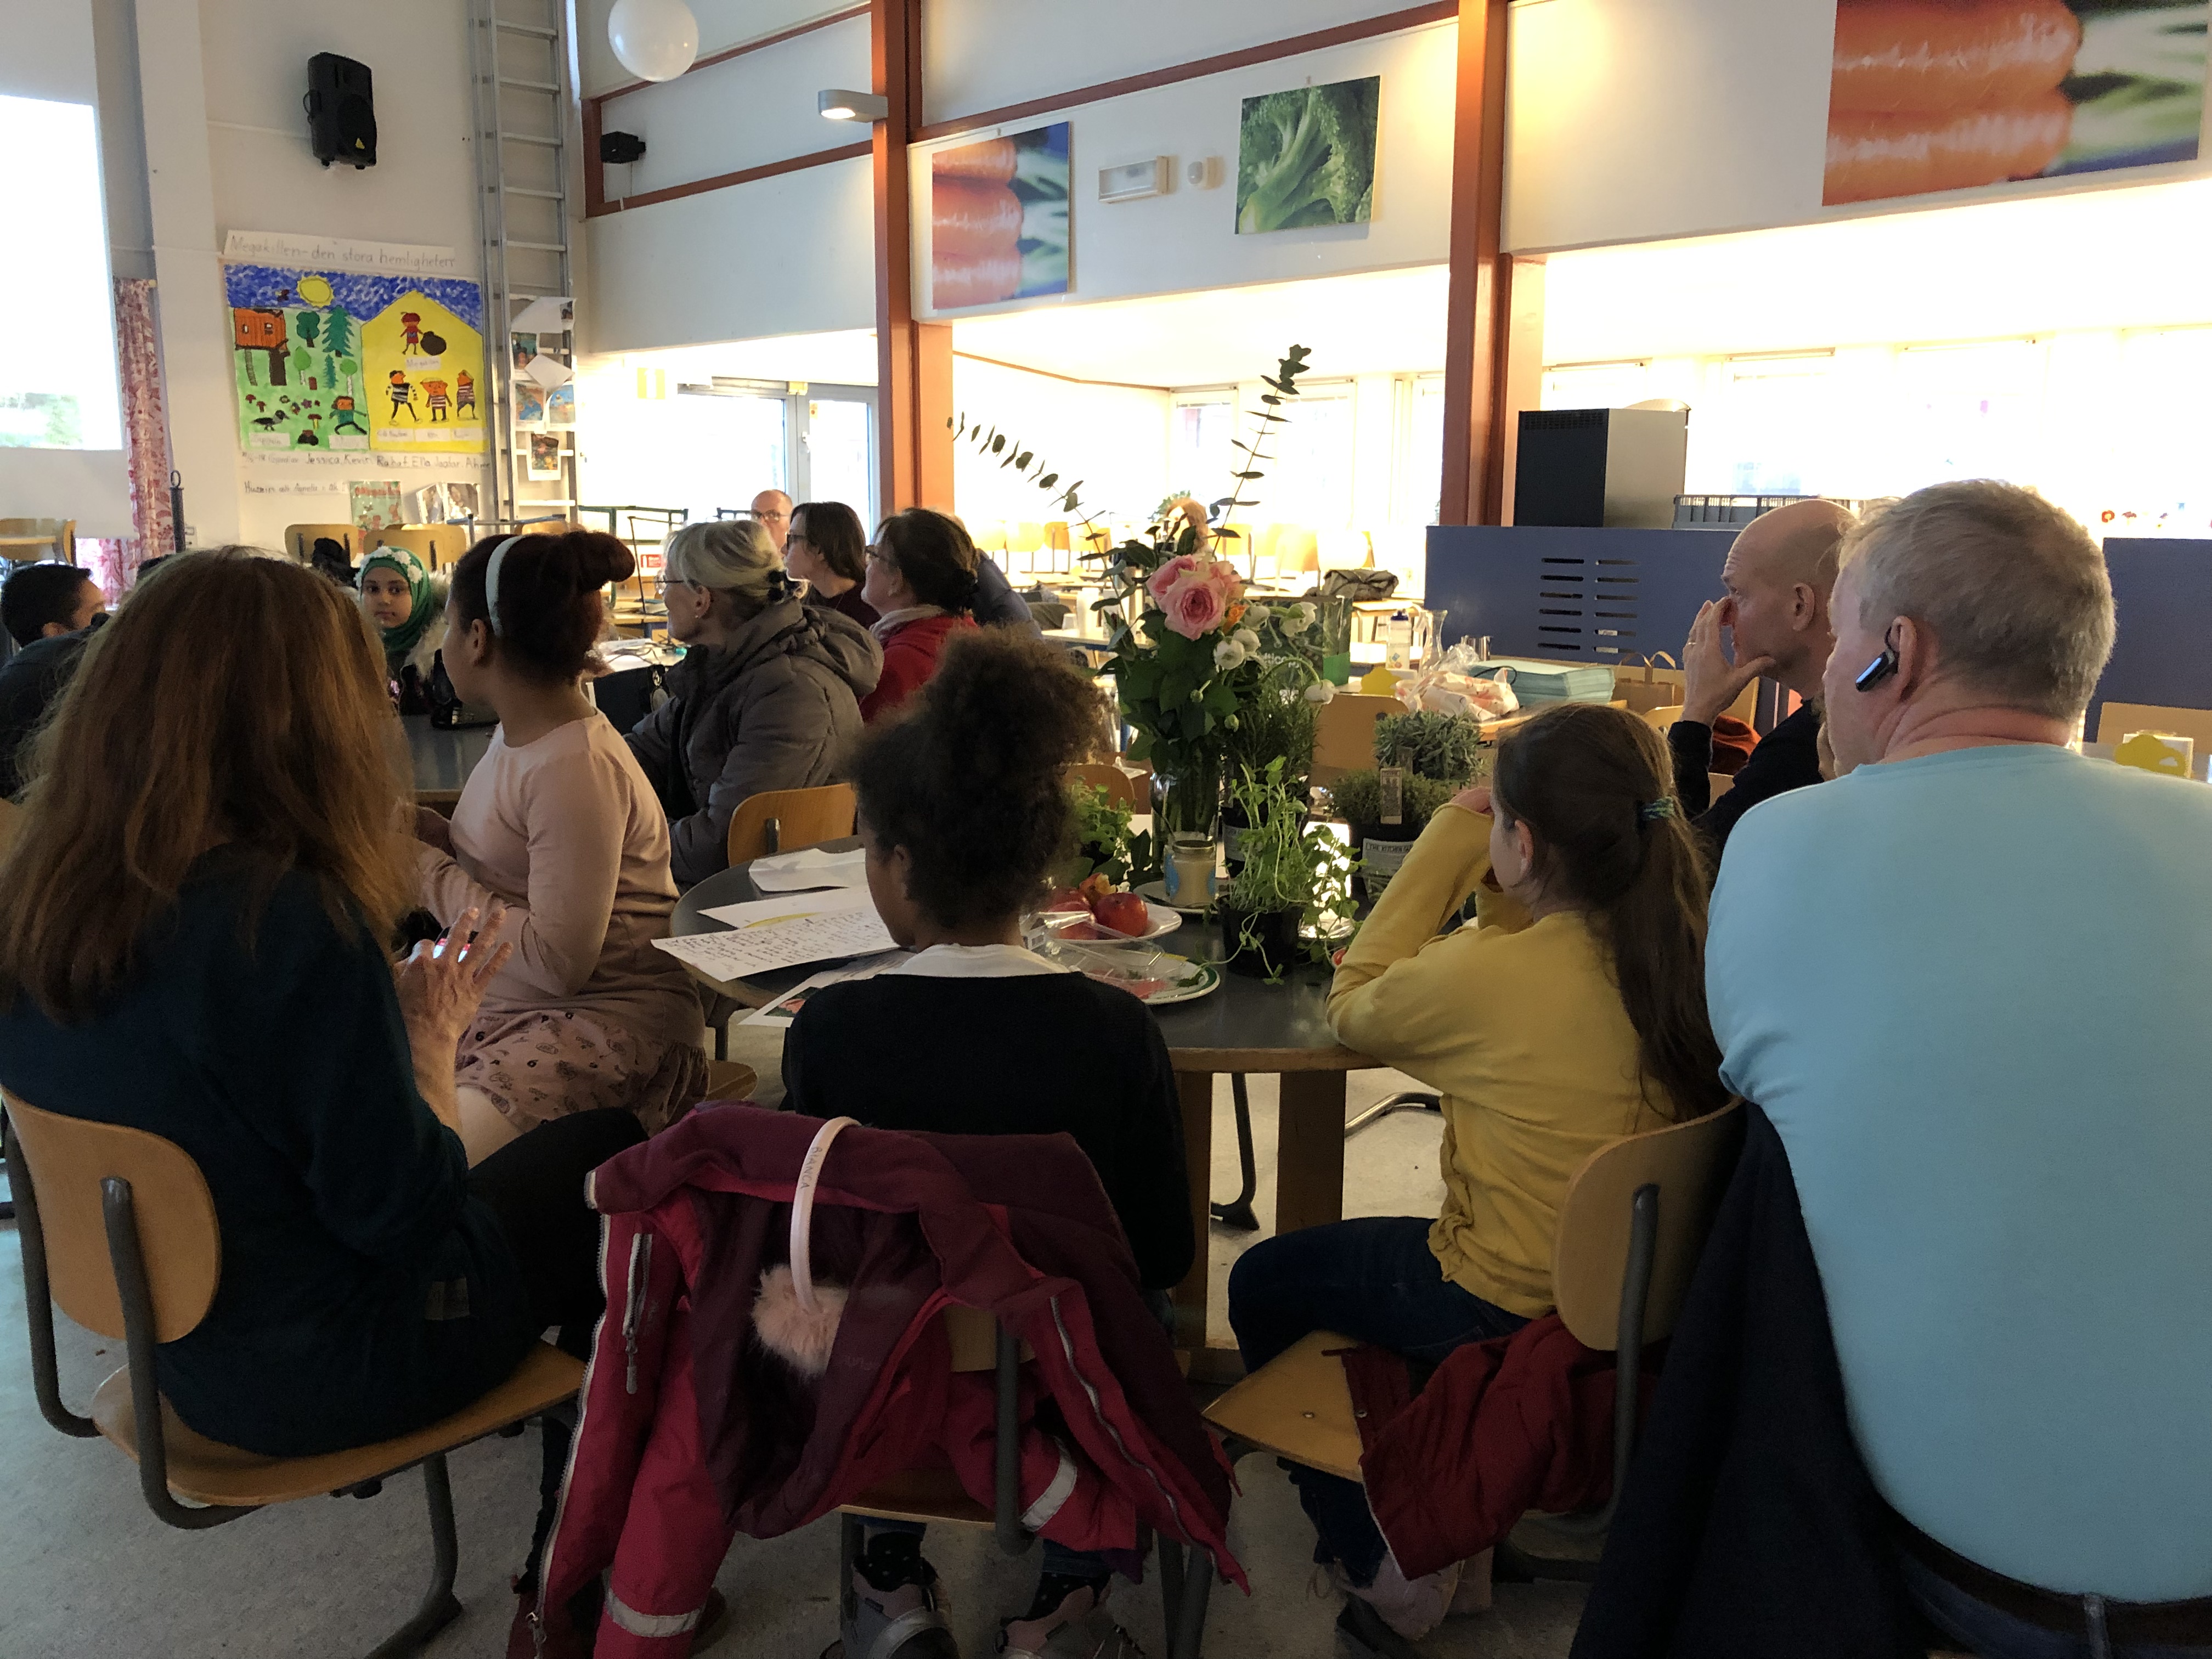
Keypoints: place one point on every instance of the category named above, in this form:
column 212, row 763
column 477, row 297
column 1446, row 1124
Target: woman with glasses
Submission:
column 922, row 579
column 767, row 697
column 828, row 550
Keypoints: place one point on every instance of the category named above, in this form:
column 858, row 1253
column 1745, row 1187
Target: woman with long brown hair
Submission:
column 193, row 928
column 1571, row 1013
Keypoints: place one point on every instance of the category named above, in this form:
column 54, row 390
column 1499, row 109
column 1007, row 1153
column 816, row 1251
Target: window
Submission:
column 1968, row 411
column 840, row 466
column 1774, row 431
column 2159, row 467
column 1421, row 466
column 57, row 388
column 1308, row 480
column 1202, row 444
column 1596, row 385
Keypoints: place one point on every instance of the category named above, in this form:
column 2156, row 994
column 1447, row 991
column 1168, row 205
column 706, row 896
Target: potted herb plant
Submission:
column 1275, row 723
column 1382, row 847
column 1287, row 871
column 1104, row 842
column 1445, row 747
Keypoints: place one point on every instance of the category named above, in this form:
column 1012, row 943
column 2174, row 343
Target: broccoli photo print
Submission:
column 1306, row 156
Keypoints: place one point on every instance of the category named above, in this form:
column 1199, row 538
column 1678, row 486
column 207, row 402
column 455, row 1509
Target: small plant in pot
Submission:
column 1104, row 843
column 1382, row 847
column 1445, row 747
column 1287, row 871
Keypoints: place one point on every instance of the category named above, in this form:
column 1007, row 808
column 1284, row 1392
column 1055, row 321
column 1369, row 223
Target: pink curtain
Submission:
column 145, row 435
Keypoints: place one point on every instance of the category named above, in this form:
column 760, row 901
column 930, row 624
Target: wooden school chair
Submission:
column 1131, row 788
column 118, row 1227
column 300, row 540
column 784, row 820
column 1344, row 733
column 979, row 1343
column 29, row 540
column 1630, row 1232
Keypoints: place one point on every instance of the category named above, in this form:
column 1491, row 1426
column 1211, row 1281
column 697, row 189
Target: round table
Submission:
column 443, row 757
column 1247, row 1025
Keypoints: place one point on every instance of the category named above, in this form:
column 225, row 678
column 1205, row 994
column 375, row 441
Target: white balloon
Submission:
column 655, row 39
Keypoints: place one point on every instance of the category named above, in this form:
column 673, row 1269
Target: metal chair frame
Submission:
column 439, row 1607
column 1186, row 1575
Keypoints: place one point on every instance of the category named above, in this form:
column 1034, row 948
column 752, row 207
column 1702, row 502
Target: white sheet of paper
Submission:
column 781, row 1013
column 809, row 866
column 767, row 934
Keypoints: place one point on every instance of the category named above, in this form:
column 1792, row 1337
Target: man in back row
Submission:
column 1779, row 570
column 1967, row 981
column 48, row 609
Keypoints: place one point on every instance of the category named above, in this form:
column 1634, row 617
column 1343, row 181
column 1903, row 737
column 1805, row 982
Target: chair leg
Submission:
column 1188, row 1633
column 441, row 1607
column 852, row 1539
column 1406, row 1101
column 1237, row 1213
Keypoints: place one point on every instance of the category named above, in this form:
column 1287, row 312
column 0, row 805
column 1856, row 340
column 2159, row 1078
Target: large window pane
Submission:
column 695, row 451
column 58, row 386
column 1309, row 480
column 1422, row 477
column 837, row 455
column 1970, row 411
column 1776, row 430
column 1202, row 446
column 1594, row 386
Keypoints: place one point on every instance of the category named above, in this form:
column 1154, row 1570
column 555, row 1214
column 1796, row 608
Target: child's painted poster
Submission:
column 561, row 405
column 376, row 503
column 528, row 405
column 339, row 361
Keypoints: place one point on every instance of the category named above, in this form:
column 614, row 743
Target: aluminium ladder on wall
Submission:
column 521, row 74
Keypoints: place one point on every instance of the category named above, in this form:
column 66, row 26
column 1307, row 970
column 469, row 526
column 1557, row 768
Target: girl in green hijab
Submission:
column 407, row 604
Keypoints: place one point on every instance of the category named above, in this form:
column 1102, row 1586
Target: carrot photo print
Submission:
column 1947, row 94
column 998, row 215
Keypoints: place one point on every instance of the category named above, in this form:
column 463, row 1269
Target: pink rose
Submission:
column 1223, row 577
column 1194, row 607
column 1169, row 574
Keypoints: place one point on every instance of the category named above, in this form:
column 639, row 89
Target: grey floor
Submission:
column 87, row 1573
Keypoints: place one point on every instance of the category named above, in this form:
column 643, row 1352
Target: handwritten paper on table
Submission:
column 785, row 873
column 771, row 933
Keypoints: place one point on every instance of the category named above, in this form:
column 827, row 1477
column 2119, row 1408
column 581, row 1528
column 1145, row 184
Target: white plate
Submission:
column 1203, row 982
column 1165, row 920
column 1155, row 893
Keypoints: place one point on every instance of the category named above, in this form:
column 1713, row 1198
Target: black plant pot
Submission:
column 1261, row 944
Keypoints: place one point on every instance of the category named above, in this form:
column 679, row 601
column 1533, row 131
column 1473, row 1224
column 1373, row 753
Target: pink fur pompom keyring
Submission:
column 795, row 1318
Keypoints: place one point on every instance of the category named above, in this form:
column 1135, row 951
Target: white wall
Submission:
column 722, row 24
column 747, row 113
column 1635, row 119
column 1187, row 239
column 792, row 254
column 986, row 54
column 221, row 82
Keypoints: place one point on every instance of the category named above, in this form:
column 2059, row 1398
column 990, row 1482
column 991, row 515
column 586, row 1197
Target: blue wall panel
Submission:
column 2163, row 592
column 1596, row 595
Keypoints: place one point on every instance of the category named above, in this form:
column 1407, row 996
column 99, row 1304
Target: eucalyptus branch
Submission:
column 1283, row 387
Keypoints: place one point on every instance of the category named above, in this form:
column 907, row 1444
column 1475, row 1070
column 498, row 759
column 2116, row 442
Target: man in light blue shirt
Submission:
column 1971, row 982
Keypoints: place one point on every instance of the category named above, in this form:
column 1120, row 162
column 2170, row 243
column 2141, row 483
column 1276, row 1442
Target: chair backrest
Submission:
column 802, row 818
column 68, row 1157
column 436, row 544
column 1719, row 783
column 1118, row 786
column 1344, row 733
column 60, row 534
column 2119, row 718
column 1689, row 1164
column 300, row 539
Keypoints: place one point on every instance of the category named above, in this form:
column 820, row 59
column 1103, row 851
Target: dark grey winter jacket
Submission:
column 774, row 710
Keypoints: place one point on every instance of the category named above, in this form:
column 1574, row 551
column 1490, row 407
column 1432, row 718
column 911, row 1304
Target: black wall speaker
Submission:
column 341, row 111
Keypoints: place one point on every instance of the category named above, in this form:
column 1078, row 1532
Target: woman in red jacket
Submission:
column 921, row 580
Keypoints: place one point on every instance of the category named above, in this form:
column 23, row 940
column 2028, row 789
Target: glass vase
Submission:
column 1187, row 824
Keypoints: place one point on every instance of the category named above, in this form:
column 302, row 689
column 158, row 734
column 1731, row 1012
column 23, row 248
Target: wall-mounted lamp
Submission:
column 842, row 104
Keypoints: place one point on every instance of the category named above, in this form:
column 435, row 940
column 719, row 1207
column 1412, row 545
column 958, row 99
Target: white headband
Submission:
column 491, row 581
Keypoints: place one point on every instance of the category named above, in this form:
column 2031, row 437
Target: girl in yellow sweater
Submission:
column 1570, row 1013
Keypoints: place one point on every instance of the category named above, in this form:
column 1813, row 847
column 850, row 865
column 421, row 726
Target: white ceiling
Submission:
column 1384, row 322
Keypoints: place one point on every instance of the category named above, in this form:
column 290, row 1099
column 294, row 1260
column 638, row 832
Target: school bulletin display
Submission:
column 335, row 361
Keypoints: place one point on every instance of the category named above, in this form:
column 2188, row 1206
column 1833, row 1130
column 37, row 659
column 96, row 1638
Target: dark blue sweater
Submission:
column 280, row 1063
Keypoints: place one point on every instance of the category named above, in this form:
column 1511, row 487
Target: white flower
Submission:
column 1230, row 653
column 1309, row 613
column 1292, row 619
column 1320, row 691
column 1250, row 640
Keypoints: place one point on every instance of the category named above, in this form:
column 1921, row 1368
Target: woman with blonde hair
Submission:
column 767, row 696
column 193, row 928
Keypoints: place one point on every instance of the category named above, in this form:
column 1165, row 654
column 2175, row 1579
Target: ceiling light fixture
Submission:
column 842, row 104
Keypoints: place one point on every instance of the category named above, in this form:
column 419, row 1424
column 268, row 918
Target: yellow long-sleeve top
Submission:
column 1520, row 1027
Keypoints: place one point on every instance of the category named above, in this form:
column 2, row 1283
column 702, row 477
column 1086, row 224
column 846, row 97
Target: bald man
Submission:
column 1778, row 575
column 773, row 508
